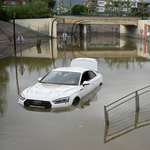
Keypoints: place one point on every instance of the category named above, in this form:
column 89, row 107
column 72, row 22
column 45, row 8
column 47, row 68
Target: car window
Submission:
column 85, row 77
column 91, row 74
column 88, row 75
column 62, row 77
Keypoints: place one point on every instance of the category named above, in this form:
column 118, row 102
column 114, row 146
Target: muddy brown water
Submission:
column 125, row 68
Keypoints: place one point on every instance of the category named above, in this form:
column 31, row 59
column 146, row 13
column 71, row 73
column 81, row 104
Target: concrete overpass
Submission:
column 101, row 20
column 129, row 26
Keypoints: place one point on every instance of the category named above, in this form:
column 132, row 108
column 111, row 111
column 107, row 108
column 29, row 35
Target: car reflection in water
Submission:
column 84, row 102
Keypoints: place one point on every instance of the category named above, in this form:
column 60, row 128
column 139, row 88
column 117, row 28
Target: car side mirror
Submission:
column 39, row 79
column 86, row 83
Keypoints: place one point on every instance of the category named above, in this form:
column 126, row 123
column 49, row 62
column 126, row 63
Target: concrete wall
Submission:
column 99, row 28
column 44, row 26
column 47, row 51
column 40, row 25
column 136, row 31
column 102, row 20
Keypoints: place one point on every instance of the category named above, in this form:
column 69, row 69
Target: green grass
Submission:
column 102, row 46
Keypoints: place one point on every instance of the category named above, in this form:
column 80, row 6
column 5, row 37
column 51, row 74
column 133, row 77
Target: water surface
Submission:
column 125, row 66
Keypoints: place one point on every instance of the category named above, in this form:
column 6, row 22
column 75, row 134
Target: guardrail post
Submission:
column 137, row 101
column 106, row 133
column 136, row 119
column 106, row 116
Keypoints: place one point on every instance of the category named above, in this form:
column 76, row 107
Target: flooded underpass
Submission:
column 125, row 66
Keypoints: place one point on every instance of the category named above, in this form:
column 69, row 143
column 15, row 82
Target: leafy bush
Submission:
column 3, row 15
column 79, row 10
column 141, row 14
column 37, row 9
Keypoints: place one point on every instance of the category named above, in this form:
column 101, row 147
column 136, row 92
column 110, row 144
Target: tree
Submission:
column 79, row 10
column 142, row 6
column 120, row 7
column 1, row 2
column 110, row 6
column 51, row 3
column 128, row 6
column 107, row 7
column 70, row 6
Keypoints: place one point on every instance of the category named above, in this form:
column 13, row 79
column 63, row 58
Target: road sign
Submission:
column 20, row 38
column 141, row 49
column 64, row 35
column 141, row 30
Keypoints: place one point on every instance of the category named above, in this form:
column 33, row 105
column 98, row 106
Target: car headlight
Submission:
column 61, row 100
column 21, row 96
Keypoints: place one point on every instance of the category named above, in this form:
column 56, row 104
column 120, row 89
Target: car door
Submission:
column 87, row 76
column 93, row 79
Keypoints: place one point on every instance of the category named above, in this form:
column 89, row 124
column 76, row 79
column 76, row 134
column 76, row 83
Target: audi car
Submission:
column 63, row 86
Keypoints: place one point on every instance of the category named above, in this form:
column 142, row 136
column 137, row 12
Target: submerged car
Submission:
column 63, row 86
column 82, row 104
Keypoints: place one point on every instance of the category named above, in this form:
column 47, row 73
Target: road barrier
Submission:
column 134, row 95
column 127, row 114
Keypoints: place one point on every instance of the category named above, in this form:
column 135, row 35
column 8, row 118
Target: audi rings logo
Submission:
column 36, row 102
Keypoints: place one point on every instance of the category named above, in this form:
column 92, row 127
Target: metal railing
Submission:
column 127, row 114
column 124, row 99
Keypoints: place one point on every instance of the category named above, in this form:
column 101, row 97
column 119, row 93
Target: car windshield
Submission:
column 62, row 77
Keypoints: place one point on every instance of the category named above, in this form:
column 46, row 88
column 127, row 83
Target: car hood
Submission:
column 49, row 92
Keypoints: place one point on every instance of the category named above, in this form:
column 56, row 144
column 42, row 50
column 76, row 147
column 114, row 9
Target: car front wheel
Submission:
column 76, row 101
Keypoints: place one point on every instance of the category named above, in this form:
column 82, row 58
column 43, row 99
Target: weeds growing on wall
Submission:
column 35, row 9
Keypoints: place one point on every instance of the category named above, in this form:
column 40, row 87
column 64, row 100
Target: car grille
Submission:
column 45, row 104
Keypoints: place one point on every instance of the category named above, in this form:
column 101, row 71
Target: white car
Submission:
column 64, row 86
column 83, row 103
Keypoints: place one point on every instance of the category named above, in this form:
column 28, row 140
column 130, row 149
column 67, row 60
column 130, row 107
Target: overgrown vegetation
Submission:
column 79, row 10
column 36, row 9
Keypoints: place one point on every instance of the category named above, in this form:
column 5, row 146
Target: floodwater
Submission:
column 125, row 66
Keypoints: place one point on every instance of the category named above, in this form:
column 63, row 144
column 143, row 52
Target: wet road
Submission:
column 124, row 68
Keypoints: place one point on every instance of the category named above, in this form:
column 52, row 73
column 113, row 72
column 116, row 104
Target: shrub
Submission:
column 141, row 14
column 31, row 10
column 3, row 15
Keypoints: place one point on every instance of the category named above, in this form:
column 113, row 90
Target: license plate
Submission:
column 36, row 106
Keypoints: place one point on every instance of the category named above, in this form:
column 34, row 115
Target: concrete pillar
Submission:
column 83, row 30
column 83, row 43
column 83, row 36
column 55, row 29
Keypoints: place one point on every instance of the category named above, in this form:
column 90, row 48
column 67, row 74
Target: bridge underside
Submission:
column 129, row 26
column 128, row 30
column 102, row 20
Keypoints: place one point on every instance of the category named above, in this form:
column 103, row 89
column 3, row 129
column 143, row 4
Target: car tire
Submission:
column 100, row 84
column 76, row 101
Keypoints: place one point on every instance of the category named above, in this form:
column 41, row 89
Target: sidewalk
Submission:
column 6, row 38
column 3, row 37
column 7, row 29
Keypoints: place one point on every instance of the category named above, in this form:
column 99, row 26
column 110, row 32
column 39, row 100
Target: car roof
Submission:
column 71, row 69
